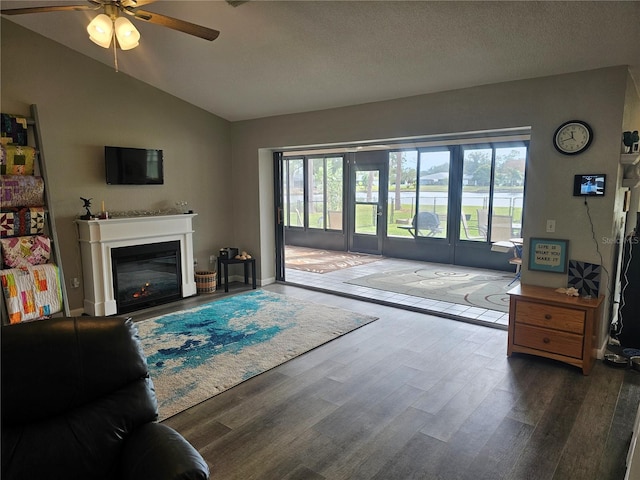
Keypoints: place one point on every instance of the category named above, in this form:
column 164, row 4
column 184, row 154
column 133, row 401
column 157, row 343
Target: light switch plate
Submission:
column 551, row 226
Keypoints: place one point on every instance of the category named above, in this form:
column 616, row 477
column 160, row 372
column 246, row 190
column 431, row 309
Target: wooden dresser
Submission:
column 549, row 324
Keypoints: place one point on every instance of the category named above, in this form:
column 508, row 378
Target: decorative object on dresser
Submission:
column 585, row 277
column 549, row 324
column 548, row 255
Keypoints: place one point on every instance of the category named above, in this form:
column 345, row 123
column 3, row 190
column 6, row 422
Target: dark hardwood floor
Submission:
column 414, row 396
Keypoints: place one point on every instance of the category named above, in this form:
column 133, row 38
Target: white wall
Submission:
column 83, row 106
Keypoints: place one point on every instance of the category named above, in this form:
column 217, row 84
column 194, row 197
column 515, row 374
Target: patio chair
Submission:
column 467, row 233
column 517, row 261
column 423, row 221
column 501, row 226
column 483, row 221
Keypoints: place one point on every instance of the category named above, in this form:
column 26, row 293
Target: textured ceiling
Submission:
column 294, row 56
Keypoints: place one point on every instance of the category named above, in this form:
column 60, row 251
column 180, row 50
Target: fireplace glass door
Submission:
column 146, row 275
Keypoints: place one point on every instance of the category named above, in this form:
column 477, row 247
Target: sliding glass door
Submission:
column 446, row 203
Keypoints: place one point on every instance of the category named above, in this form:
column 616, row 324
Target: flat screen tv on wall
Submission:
column 133, row 166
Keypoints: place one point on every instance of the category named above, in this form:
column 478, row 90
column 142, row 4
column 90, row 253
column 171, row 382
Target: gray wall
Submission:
column 598, row 97
column 84, row 105
column 224, row 170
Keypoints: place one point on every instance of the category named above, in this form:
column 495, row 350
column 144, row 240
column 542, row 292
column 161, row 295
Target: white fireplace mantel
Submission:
column 99, row 237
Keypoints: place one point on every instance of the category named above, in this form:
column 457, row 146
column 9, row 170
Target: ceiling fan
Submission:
column 113, row 22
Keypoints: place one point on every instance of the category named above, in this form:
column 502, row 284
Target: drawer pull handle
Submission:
column 547, row 316
column 546, row 340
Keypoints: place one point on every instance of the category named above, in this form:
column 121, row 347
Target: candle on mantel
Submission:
column 102, row 206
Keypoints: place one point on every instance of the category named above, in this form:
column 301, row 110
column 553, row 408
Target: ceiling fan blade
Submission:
column 176, row 24
column 137, row 3
column 51, row 8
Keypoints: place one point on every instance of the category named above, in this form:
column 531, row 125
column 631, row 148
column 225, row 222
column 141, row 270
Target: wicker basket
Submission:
column 206, row 282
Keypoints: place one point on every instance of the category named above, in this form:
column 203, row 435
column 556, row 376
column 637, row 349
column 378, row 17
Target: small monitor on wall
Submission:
column 591, row 185
column 133, row 166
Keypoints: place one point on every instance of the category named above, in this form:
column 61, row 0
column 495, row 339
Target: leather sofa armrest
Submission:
column 156, row 451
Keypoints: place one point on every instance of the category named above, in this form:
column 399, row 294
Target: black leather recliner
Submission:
column 78, row 403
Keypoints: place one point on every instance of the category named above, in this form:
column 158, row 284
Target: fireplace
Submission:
column 109, row 249
column 146, row 275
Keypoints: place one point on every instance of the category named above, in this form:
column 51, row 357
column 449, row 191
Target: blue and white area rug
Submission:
column 197, row 353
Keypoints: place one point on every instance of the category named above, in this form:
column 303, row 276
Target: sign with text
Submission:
column 549, row 255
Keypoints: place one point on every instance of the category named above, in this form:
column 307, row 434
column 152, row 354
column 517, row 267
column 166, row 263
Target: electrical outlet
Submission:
column 551, row 226
column 212, row 259
column 75, row 282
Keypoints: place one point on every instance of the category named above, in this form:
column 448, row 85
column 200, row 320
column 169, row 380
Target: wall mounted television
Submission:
column 591, row 185
column 133, row 166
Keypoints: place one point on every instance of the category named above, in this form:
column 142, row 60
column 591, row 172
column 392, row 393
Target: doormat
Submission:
column 323, row 261
column 197, row 353
column 453, row 284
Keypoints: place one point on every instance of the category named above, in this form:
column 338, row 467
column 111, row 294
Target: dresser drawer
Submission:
column 549, row 316
column 562, row 343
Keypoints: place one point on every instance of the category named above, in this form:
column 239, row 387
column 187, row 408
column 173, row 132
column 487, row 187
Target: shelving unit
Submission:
column 629, row 158
column 35, row 140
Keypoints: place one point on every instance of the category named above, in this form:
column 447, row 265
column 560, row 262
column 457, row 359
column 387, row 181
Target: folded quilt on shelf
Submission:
column 16, row 160
column 31, row 293
column 13, row 129
column 16, row 221
column 21, row 191
column 22, row 252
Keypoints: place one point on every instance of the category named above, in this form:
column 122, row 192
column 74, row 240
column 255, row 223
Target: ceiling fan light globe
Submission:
column 127, row 35
column 101, row 30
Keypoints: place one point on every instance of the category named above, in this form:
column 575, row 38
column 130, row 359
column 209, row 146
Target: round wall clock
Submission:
column 573, row 137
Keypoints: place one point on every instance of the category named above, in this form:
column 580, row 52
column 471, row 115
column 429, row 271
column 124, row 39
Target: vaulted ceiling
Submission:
column 278, row 57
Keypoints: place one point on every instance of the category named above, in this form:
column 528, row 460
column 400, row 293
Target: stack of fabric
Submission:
column 30, row 283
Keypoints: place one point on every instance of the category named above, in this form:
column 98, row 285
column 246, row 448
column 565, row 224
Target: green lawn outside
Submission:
column 404, row 217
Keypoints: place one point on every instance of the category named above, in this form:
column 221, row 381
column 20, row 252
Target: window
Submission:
column 319, row 205
column 418, row 193
column 293, row 188
column 403, row 170
column 492, row 181
column 508, row 191
column 433, row 194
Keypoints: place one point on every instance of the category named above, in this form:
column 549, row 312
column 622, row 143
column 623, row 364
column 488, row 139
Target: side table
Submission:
column 225, row 262
column 549, row 324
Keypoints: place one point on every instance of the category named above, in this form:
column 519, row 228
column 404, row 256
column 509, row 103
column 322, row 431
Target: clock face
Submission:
column 573, row 137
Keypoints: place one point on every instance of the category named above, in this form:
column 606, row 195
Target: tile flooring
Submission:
column 334, row 282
